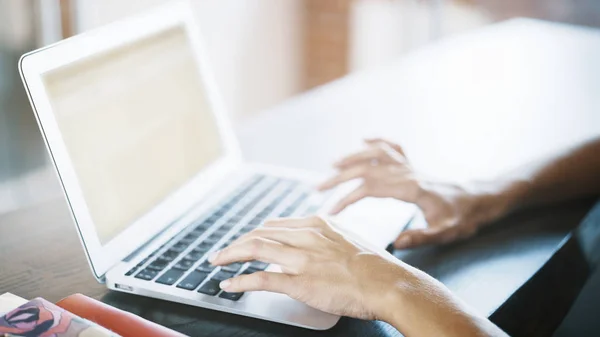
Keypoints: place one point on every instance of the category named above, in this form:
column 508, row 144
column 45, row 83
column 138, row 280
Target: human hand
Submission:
column 326, row 270
column 321, row 267
column 452, row 211
column 384, row 170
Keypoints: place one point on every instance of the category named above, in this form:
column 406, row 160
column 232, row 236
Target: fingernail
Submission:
column 213, row 256
column 225, row 284
column 402, row 243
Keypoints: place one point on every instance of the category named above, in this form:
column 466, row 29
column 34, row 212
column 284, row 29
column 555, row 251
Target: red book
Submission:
column 120, row 322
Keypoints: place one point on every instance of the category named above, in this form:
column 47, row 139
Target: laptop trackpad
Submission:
column 376, row 221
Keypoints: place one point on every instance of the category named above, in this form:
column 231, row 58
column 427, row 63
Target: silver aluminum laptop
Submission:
column 152, row 172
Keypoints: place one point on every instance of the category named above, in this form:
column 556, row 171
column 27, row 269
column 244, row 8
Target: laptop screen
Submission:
column 137, row 126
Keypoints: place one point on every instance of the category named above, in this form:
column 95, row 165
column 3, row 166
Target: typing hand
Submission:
column 451, row 211
column 384, row 170
column 320, row 267
column 329, row 272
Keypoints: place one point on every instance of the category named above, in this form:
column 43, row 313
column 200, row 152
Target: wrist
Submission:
column 418, row 305
column 413, row 304
column 394, row 297
column 474, row 203
column 492, row 200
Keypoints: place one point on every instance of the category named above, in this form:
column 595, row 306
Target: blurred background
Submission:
column 262, row 51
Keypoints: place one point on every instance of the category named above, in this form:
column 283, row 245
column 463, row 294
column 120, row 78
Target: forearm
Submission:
column 567, row 175
column 421, row 306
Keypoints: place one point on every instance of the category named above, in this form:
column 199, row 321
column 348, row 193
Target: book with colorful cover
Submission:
column 74, row 316
column 39, row 317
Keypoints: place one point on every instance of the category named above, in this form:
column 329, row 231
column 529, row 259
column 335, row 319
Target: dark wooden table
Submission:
column 465, row 108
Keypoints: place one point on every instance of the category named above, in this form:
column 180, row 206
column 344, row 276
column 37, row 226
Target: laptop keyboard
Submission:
column 181, row 262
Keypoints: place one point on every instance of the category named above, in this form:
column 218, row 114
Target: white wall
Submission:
column 384, row 30
column 255, row 46
column 16, row 28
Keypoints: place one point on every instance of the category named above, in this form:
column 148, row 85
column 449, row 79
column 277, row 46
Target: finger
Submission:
column 343, row 176
column 393, row 145
column 260, row 281
column 317, row 223
column 305, row 238
column 368, row 155
column 305, row 222
column 420, row 237
column 353, row 197
column 258, row 249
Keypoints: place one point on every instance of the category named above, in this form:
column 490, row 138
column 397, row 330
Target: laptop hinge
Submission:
column 152, row 240
column 148, row 243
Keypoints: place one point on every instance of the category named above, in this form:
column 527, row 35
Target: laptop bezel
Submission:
column 34, row 65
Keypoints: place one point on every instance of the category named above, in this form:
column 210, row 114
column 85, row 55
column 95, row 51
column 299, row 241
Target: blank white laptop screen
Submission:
column 137, row 125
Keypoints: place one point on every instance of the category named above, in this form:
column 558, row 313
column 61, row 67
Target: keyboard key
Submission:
column 188, row 239
column 312, row 210
column 170, row 277
column 235, row 219
column 206, row 267
column 184, row 265
column 158, row 265
column 192, row 281
column 211, row 240
column 222, row 276
column 220, row 212
column 193, row 256
column 201, row 227
column 178, row 248
column 211, row 287
column 198, row 231
column 193, row 235
column 170, row 254
column 232, row 268
column 146, row 274
column 249, row 271
column 244, row 211
column 215, row 236
column 228, row 225
column 131, row 271
column 166, row 258
column 213, row 218
column 220, row 232
column 202, row 248
column 144, row 260
column 246, row 230
column 231, row 296
column 259, row 265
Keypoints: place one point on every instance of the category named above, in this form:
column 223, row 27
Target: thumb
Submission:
column 419, row 237
column 393, row 145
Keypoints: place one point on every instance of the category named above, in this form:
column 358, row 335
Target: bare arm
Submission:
column 457, row 211
column 328, row 271
column 571, row 174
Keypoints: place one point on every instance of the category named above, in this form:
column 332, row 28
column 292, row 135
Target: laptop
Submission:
column 152, row 172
